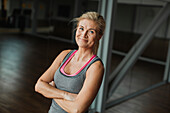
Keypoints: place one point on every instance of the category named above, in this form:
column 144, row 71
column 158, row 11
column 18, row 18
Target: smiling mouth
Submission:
column 83, row 39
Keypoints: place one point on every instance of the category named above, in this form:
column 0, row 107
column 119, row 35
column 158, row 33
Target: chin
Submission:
column 82, row 45
column 81, row 42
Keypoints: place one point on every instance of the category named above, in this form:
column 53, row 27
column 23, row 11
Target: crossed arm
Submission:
column 72, row 103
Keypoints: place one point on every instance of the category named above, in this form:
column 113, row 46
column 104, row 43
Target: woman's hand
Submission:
column 52, row 83
column 70, row 96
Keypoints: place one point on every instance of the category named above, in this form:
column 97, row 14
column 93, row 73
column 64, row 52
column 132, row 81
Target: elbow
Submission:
column 74, row 108
column 37, row 87
column 78, row 109
column 75, row 111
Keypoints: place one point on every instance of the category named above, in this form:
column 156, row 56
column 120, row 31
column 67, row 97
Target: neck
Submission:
column 83, row 54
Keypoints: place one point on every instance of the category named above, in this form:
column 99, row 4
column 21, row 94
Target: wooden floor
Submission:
column 24, row 58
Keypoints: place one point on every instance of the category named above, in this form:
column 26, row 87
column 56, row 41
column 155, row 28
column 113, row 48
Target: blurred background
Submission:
column 34, row 32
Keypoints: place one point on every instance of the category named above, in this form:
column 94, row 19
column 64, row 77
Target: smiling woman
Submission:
column 97, row 24
column 86, row 34
column 77, row 74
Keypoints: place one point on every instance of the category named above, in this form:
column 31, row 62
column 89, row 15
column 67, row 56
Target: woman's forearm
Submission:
column 49, row 91
column 70, row 106
column 65, row 99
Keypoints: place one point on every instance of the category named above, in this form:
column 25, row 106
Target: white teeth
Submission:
column 82, row 39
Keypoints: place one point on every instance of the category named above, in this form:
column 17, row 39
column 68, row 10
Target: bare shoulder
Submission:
column 97, row 68
column 98, row 65
column 65, row 52
column 62, row 55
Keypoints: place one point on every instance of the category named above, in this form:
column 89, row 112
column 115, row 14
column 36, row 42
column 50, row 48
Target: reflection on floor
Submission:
column 24, row 58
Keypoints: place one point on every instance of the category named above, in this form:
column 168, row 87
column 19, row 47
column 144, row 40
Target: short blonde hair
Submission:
column 100, row 22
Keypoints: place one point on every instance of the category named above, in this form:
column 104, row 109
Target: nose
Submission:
column 85, row 34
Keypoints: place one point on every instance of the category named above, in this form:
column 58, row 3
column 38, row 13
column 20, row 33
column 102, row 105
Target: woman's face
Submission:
column 86, row 34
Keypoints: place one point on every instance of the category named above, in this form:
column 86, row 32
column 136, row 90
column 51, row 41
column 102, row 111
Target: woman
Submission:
column 77, row 74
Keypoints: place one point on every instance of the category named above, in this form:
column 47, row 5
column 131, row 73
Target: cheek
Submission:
column 77, row 34
column 94, row 38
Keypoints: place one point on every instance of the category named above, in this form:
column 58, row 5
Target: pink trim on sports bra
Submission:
column 63, row 66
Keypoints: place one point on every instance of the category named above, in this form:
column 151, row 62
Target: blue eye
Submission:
column 81, row 28
column 91, row 32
